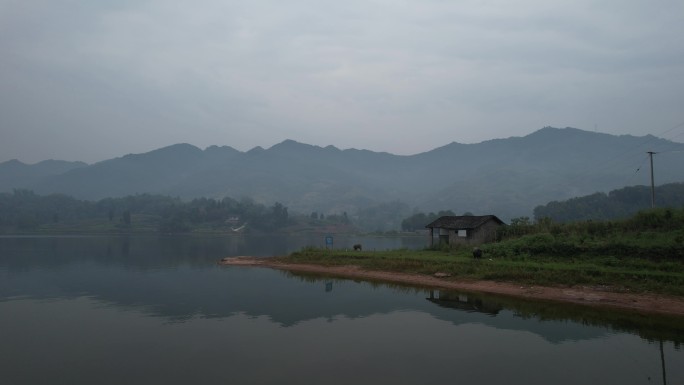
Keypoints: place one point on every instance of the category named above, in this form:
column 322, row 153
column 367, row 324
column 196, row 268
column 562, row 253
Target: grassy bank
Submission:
column 642, row 254
column 620, row 274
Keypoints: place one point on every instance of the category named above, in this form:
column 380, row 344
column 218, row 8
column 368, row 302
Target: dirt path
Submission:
column 591, row 296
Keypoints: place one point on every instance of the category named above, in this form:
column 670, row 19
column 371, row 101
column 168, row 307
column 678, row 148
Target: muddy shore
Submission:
column 583, row 295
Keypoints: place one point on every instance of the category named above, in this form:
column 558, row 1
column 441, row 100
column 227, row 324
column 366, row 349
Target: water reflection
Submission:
column 462, row 301
column 155, row 295
column 555, row 322
column 177, row 278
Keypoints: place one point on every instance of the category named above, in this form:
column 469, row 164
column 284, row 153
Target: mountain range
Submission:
column 505, row 177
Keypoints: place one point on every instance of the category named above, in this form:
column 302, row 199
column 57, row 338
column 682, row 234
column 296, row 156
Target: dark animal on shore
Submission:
column 477, row 253
column 357, row 247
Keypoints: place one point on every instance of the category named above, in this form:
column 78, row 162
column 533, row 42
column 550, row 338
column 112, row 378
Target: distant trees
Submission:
column 521, row 221
column 416, row 222
column 173, row 224
column 620, row 203
column 25, row 211
column 279, row 216
column 126, row 217
column 383, row 217
column 419, row 220
column 338, row 219
column 316, row 219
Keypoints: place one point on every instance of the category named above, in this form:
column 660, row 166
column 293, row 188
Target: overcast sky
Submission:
column 91, row 80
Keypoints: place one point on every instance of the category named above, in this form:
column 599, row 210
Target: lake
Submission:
column 159, row 310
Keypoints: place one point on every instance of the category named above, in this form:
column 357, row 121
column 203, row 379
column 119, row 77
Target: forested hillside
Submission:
column 616, row 204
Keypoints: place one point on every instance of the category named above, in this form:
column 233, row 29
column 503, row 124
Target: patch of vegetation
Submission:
column 644, row 253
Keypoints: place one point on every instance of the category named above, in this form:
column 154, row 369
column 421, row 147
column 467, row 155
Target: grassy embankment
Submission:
column 642, row 254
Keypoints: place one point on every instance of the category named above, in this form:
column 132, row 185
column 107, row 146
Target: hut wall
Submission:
column 483, row 234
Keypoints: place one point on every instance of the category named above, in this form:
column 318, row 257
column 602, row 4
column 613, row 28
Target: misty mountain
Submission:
column 505, row 177
column 15, row 174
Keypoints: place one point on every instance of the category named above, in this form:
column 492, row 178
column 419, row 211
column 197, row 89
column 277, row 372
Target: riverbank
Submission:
column 589, row 295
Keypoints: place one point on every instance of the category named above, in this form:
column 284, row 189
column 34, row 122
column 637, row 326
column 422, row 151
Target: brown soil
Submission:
column 584, row 295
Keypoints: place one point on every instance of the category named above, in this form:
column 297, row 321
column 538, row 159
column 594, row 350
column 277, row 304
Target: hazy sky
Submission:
column 91, row 80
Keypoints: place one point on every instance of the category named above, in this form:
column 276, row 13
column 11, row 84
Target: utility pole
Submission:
column 650, row 155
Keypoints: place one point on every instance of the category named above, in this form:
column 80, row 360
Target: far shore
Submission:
column 583, row 295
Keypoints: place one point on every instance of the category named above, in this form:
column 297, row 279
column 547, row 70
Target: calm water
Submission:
column 158, row 310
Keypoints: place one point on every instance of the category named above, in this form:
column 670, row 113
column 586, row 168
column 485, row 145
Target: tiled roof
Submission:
column 462, row 222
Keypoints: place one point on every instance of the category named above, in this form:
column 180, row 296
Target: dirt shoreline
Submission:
column 583, row 295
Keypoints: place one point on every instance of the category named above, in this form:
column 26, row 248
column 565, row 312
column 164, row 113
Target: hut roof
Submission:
column 462, row 222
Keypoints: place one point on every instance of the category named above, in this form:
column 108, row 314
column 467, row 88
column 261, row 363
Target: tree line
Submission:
column 23, row 210
column 620, row 203
column 418, row 221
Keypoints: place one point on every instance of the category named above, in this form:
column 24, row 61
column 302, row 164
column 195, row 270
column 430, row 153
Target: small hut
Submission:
column 465, row 230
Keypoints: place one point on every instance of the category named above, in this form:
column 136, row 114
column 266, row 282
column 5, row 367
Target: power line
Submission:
column 644, row 160
column 643, row 143
column 627, row 152
column 671, row 151
column 675, row 137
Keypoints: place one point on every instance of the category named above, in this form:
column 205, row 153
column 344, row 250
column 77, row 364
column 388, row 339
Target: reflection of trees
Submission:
column 650, row 327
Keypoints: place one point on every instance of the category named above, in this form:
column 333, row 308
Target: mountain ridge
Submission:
column 507, row 177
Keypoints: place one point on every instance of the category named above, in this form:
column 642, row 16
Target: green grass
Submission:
column 632, row 274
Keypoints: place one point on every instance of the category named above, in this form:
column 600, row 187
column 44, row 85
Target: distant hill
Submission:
column 15, row 174
column 621, row 203
column 506, row 177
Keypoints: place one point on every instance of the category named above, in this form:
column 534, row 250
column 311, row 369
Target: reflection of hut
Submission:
column 468, row 229
column 462, row 301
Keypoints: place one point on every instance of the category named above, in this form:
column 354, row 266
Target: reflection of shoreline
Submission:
column 581, row 295
column 499, row 310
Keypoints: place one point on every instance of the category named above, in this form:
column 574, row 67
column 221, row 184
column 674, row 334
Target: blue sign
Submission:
column 328, row 241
